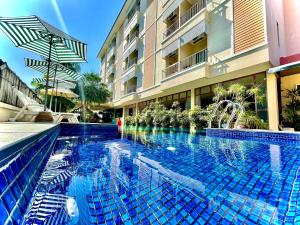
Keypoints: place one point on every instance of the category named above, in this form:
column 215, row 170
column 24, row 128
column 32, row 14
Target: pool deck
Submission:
column 14, row 132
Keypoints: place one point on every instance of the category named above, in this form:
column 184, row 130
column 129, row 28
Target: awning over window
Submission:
column 196, row 31
column 171, row 9
column 170, row 48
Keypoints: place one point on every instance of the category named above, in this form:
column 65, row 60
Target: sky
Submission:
column 86, row 20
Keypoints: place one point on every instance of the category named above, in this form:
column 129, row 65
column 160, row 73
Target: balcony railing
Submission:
column 131, row 63
column 186, row 63
column 171, row 29
column 111, row 52
column 131, row 39
column 110, row 69
column 187, row 15
column 131, row 18
column 191, row 12
column 128, row 91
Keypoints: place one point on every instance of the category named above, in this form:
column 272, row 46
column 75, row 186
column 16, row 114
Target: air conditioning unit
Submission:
column 197, row 39
column 172, row 53
column 172, row 16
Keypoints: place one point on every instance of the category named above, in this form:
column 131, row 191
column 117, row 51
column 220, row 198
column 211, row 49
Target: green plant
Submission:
column 198, row 117
column 291, row 108
column 174, row 114
column 183, row 119
column 158, row 112
column 252, row 121
column 128, row 120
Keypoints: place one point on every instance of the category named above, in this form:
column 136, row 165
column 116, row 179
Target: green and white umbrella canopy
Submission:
column 34, row 34
column 56, row 70
column 58, row 82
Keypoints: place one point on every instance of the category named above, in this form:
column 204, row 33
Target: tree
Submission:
column 92, row 90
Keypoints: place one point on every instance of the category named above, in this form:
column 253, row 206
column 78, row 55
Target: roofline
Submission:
column 109, row 33
column 284, row 67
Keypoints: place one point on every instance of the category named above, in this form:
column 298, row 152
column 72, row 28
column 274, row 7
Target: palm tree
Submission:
column 92, row 91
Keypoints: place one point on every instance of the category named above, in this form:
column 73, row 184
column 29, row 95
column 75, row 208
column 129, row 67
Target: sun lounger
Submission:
column 32, row 108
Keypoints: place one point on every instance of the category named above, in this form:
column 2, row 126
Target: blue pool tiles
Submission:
column 20, row 174
column 156, row 178
column 276, row 136
column 177, row 178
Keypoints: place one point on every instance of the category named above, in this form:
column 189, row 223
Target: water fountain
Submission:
column 237, row 111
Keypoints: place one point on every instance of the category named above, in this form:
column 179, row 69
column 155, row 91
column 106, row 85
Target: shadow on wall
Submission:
column 219, row 24
column 219, row 33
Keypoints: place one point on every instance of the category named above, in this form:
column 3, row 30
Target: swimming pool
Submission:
column 167, row 178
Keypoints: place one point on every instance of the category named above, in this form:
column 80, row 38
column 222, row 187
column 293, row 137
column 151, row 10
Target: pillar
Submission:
column 136, row 108
column 272, row 97
column 193, row 98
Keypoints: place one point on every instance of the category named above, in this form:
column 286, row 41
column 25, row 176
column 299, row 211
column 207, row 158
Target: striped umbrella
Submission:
column 59, row 82
column 34, row 34
column 56, row 70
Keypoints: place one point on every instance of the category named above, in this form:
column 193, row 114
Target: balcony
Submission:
column 186, row 63
column 110, row 87
column 111, row 52
column 131, row 22
column 191, row 12
column 184, row 18
column 130, row 66
column 131, row 45
column 110, row 69
column 171, row 29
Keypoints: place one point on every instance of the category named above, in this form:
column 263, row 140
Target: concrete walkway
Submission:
column 13, row 132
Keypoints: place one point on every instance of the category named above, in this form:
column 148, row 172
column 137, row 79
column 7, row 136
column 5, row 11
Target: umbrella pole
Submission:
column 48, row 71
column 60, row 104
column 56, row 95
column 53, row 87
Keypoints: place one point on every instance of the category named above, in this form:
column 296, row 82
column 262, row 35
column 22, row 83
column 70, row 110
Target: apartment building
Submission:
column 179, row 50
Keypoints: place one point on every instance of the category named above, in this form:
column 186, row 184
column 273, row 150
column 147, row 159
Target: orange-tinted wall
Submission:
column 248, row 24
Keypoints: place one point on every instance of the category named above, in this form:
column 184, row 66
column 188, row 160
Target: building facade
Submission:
column 179, row 50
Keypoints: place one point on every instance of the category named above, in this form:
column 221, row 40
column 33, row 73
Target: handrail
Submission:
column 187, row 15
column 171, row 29
column 130, row 64
column 131, row 39
column 186, row 63
column 130, row 18
column 192, row 11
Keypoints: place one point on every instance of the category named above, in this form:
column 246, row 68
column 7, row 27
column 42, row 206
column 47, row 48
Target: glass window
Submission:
column 182, row 95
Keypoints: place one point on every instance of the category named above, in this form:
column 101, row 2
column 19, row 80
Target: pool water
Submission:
column 168, row 178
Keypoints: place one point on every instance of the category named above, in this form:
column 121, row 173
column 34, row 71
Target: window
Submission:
column 184, row 98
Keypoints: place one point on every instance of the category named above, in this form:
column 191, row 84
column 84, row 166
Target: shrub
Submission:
column 251, row 121
column 183, row 119
column 128, row 120
column 136, row 119
column 165, row 118
column 198, row 117
column 158, row 112
column 174, row 113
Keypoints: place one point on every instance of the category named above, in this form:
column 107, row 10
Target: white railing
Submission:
column 184, row 64
column 129, row 91
column 110, row 69
column 111, row 52
column 131, row 39
column 131, row 18
column 174, row 68
column 171, row 29
column 191, row 12
column 187, row 15
column 130, row 64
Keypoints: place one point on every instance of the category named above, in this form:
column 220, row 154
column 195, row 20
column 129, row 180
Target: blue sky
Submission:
column 87, row 20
